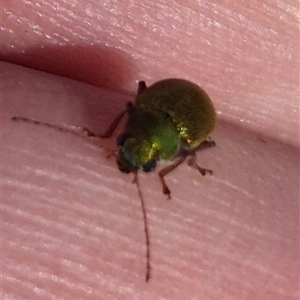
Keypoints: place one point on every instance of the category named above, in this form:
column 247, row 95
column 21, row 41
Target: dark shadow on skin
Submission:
column 96, row 65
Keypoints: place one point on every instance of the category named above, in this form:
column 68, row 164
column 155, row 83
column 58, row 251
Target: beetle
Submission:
column 169, row 120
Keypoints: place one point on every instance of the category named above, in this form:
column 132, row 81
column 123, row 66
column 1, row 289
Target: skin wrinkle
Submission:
column 247, row 66
column 43, row 221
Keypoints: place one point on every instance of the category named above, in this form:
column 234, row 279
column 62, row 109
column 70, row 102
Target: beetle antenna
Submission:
column 135, row 180
column 76, row 130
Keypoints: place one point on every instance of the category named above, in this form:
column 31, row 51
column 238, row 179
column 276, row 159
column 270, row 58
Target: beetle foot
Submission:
column 203, row 171
column 191, row 162
column 167, row 192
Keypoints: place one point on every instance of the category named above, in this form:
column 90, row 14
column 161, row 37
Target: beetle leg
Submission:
column 192, row 163
column 208, row 143
column 141, row 87
column 108, row 133
column 163, row 172
column 110, row 130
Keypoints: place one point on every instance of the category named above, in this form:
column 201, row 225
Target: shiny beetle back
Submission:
column 186, row 103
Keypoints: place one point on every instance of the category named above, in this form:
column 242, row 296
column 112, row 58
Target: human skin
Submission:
column 72, row 226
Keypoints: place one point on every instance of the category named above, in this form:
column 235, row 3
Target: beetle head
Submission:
column 135, row 153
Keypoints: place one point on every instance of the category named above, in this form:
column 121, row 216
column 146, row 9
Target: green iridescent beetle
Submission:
column 169, row 120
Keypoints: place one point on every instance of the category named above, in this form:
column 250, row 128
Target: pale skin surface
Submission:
column 71, row 222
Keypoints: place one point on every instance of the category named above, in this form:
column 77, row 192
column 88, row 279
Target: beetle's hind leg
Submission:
column 192, row 163
column 208, row 143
